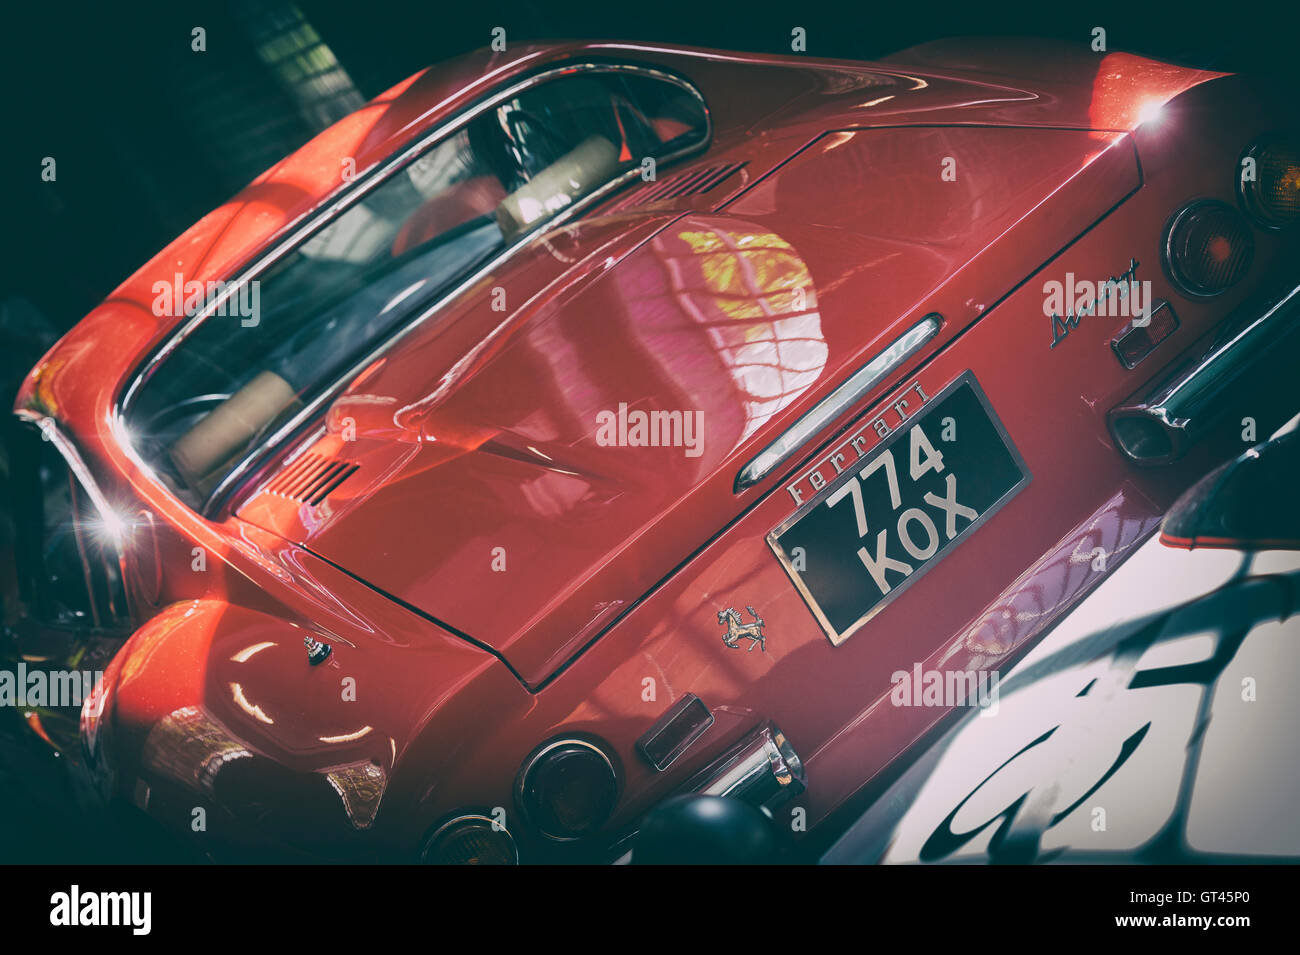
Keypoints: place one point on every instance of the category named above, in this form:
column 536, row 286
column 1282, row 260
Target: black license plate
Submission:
column 892, row 514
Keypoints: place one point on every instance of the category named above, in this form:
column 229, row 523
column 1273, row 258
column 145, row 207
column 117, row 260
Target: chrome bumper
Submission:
column 1159, row 424
column 762, row 769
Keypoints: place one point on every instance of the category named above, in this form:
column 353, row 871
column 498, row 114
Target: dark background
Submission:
column 149, row 136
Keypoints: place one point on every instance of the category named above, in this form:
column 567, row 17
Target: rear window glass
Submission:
column 276, row 344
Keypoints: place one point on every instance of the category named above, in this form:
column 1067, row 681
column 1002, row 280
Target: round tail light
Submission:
column 1208, row 247
column 568, row 789
column 470, row 839
column 1272, row 196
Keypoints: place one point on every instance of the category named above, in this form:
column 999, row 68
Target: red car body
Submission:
column 826, row 229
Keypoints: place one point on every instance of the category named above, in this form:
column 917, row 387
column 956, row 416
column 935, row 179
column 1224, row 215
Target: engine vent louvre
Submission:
column 692, row 182
column 311, row 478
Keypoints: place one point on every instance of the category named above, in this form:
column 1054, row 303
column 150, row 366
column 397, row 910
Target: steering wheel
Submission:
column 516, row 116
column 164, row 418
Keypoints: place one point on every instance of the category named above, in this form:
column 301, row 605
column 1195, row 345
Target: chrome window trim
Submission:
column 336, row 206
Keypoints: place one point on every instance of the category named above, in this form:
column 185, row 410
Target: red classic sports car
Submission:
column 580, row 426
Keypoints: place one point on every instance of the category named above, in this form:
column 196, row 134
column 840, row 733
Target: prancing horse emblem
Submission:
column 736, row 629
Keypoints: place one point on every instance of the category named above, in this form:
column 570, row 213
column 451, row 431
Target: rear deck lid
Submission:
column 526, row 479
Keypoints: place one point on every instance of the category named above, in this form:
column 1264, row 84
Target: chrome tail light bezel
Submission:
column 1168, row 260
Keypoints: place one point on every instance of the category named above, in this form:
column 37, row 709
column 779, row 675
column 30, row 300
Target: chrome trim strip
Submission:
column 338, row 204
column 859, row 384
column 1178, row 408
